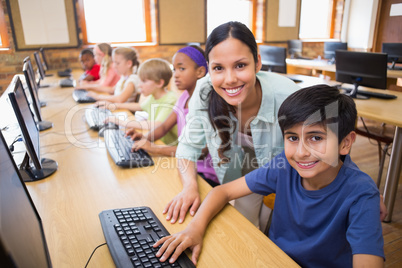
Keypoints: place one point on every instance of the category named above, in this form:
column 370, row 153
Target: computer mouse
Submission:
column 101, row 132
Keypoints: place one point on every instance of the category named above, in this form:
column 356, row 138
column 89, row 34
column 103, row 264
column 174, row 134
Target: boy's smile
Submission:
column 314, row 152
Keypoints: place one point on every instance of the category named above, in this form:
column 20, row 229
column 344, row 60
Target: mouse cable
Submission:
column 93, row 253
column 17, row 139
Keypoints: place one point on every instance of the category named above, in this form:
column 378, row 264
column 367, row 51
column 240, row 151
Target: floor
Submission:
column 365, row 155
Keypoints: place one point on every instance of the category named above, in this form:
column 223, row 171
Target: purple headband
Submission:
column 195, row 55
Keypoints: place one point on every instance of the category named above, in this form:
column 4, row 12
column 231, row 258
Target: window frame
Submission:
column 148, row 6
column 5, row 43
column 332, row 13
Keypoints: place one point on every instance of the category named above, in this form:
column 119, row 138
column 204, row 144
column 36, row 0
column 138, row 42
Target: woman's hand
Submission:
column 188, row 198
column 191, row 237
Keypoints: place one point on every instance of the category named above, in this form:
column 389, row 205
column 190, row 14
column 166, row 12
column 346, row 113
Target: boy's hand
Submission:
column 177, row 243
column 188, row 198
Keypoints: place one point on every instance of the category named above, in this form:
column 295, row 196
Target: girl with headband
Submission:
column 189, row 65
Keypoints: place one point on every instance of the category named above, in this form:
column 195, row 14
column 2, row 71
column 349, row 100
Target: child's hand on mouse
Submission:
column 112, row 119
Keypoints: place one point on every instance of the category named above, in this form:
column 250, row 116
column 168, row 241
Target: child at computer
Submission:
column 189, row 65
column 108, row 75
column 326, row 210
column 88, row 63
column 125, row 62
column 155, row 75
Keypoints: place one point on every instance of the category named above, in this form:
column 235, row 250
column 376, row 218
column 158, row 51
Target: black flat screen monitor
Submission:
column 394, row 52
column 273, row 58
column 295, row 48
column 22, row 239
column 33, row 78
column 34, row 98
column 361, row 68
column 44, row 60
column 33, row 167
column 41, row 69
column 331, row 47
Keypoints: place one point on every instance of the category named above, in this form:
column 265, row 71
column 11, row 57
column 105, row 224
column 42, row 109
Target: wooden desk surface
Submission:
column 324, row 66
column 87, row 182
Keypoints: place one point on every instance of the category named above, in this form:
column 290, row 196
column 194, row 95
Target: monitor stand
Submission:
column 42, row 86
column 29, row 173
column 42, row 103
column 43, row 125
column 354, row 93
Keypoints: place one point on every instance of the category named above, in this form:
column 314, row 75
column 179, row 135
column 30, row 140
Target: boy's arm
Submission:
column 161, row 130
column 367, row 261
column 192, row 236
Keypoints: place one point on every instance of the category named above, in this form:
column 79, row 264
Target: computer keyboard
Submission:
column 372, row 94
column 64, row 73
column 130, row 234
column 67, row 82
column 95, row 117
column 119, row 148
column 81, row 96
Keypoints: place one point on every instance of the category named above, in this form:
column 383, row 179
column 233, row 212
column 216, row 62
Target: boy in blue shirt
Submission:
column 326, row 210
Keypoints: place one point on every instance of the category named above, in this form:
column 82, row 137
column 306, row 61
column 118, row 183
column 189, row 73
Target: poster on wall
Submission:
column 43, row 23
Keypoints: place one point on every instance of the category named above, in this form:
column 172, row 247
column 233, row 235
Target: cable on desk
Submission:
column 93, row 253
column 63, row 133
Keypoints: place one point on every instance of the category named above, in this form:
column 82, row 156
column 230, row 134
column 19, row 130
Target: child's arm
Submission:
column 132, row 106
column 192, row 236
column 142, row 125
column 127, row 92
column 367, row 261
column 153, row 148
column 96, row 87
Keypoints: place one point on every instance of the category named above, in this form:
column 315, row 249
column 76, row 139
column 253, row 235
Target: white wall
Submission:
column 360, row 23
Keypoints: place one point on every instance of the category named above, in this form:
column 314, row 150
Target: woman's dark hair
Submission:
column 218, row 109
column 319, row 104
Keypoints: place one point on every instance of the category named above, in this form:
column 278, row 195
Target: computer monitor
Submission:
column 331, row 47
column 41, row 69
column 273, row 58
column 22, row 239
column 33, row 167
column 44, row 60
column 34, row 99
column 295, row 48
column 33, row 76
column 361, row 68
column 394, row 51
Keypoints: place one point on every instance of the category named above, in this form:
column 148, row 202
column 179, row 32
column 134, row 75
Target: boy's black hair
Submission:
column 319, row 104
column 87, row 51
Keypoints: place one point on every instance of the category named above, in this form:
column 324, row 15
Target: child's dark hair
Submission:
column 218, row 109
column 319, row 104
column 87, row 51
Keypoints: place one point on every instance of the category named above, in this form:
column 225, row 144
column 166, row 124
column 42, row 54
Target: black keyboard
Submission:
column 95, row 117
column 81, row 96
column 119, row 148
column 130, row 234
column 67, row 82
column 372, row 94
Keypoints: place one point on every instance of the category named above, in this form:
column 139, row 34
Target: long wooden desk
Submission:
column 87, row 181
column 387, row 111
column 328, row 69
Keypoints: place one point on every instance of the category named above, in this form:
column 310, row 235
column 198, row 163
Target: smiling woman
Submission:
column 232, row 113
